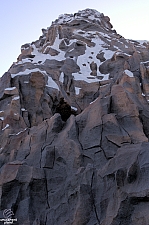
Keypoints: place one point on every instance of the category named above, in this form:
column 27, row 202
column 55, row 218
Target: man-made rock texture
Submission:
column 74, row 127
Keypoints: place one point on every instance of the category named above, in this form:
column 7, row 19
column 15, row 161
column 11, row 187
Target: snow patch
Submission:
column 83, row 77
column 143, row 41
column 129, row 73
column 105, row 35
column 22, row 109
column 40, row 57
column 7, row 125
column 105, row 76
column 86, row 60
column 10, row 88
column 52, row 83
column 16, row 98
column 19, row 132
column 27, row 71
column 74, row 108
column 77, row 90
column 64, row 18
column 61, row 78
column 92, row 13
column 122, row 53
column 93, row 101
column 145, row 62
column 108, row 53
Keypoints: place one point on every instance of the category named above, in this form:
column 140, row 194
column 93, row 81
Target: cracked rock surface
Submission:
column 90, row 168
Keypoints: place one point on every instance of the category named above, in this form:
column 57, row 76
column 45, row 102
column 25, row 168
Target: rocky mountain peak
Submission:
column 88, row 15
column 74, row 126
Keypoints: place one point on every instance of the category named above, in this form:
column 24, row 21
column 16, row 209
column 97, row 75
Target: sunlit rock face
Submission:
column 74, row 127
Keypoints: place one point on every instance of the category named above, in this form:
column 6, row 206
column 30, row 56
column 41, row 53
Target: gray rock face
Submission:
column 92, row 167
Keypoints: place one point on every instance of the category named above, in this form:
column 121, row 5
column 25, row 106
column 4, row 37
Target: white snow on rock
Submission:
column 7, row 125
column 38, row 55
column 22, row 109
column 93, row 101
column 52, row 83
column 10, row 88
column 105, row 76
column 61, row 78
column 89, row 78
column 101, row 39
column 145, row 62
column 41, row 57
column 84, row 61
column 1, row 118
column 84, row 77
column 77, row 90
column 108, row 53
column 105, row 35
column 26, row 72
column 74, row 108
column 119, row 53
column 129, row 73
column 86, row 14
column 126, row 46
column 143, row 41
column 19, row 132
column 64, row 18
column 91, row 14
column 60, row 56
column 16, row 98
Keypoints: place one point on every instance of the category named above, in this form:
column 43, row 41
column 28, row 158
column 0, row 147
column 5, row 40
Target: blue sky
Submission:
column 21, row 21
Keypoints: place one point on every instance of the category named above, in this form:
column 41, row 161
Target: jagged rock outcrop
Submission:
column 74, row 127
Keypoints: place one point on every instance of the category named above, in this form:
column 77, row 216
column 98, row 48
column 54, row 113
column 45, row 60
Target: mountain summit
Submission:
column 74, row 126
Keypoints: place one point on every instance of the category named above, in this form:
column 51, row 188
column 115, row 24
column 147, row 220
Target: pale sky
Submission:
column 21, row 21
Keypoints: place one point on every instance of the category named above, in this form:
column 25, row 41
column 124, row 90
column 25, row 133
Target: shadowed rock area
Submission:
column 74, row 127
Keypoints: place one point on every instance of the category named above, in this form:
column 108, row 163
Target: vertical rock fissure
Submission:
column 42, row 148
column 46, row 219
column 101, row 131
column 46, row 131
column 77, row 131
column 96, row 94
column 144, row 125
column 29, row 148
column 46, row 187
column 101, row 139
column 93, row 198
